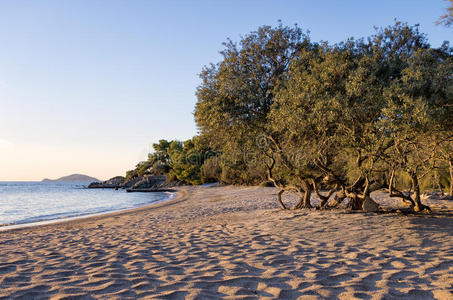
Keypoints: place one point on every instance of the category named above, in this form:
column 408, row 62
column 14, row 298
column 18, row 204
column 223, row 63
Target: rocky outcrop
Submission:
column 115, row 182
column 146, row 183
column 131, row 182
column 149, row 183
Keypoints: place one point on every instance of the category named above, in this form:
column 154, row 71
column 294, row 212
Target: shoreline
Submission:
column 232, row 242
column 85, row 217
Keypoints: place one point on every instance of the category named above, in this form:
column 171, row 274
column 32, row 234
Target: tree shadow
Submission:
column 437, row 222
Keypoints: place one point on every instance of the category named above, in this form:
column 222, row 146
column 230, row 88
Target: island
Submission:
column 73, row 178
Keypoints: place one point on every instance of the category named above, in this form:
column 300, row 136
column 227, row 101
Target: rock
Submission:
column 144, row 183
column 114, row 182
column 369, row 205
column 131, row 182
column 95, row 185
column 150, row 182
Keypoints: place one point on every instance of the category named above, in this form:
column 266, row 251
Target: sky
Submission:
column 88, row 86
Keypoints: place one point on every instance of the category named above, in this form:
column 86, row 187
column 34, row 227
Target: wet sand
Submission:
column 234, row 243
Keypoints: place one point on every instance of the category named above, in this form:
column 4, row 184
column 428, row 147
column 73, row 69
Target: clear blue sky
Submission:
column 88, row 86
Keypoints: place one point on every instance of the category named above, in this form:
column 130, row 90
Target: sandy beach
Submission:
column 233, row 242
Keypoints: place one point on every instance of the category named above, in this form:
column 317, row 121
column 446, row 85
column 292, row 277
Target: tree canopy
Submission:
column 349, row 118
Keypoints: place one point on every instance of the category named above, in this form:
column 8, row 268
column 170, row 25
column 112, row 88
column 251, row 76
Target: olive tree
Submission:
column 418, row 115
column 236, row 94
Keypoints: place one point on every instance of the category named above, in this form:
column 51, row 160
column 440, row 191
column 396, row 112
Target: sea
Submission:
column 35, row 202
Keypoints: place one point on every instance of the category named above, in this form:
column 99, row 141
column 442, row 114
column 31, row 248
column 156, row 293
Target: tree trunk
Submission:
column 304, row 201
column 279, row 199
column 323, row 202
column 416, row 198
column 416, row 187
column 323, row 199
column 356, row 201
column 339, row 197
column 357, row 196
column 393, row 192
column 439, row 185
column 450, row 163
column 307, row 195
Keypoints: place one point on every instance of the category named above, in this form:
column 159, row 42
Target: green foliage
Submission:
column 156, row 164
column 179, row 161
column 185, row 162
column 211, row 170
column 279, row 107
column 351, row 112
column 236, row 95
column 437, row 180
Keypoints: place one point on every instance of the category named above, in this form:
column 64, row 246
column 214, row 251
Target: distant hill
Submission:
column 72, row 178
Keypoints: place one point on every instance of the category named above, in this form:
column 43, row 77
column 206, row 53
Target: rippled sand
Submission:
column 230, row 242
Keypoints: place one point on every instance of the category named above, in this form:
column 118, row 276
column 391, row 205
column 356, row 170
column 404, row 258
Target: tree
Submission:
column 156, row 164
column 433, row 71
column 236, row 94
column 357, row 109
column 327, row 111
column 186, row 160
column 301, row 121
column 419, row 109
column 352, row 117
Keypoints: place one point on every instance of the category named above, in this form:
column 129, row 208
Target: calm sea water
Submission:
column 27, row 202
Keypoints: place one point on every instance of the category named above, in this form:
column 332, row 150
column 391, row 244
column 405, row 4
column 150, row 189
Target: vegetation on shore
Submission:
column 351, row 117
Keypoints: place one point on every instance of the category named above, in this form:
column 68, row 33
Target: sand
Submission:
column 234, row 243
